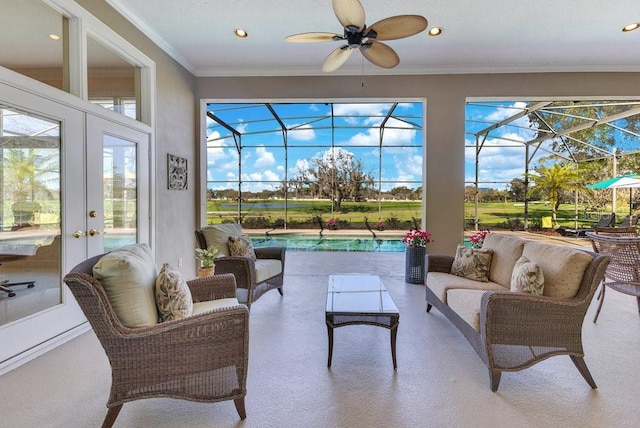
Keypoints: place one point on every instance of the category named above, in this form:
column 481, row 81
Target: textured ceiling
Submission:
column 494, row 36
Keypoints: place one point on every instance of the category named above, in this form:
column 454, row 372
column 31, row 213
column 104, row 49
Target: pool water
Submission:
column 347, row 243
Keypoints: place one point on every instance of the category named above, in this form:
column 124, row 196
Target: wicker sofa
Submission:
column 512, row 330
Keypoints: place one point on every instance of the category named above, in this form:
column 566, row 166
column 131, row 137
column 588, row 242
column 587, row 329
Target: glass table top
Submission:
column 358, row 294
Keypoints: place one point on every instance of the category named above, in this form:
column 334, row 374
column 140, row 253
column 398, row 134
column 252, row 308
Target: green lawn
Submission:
column 394, row 214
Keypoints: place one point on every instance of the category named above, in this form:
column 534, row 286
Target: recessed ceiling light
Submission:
column 240, row 33
column 54, row 36
column 630, row 27
column 435, row 31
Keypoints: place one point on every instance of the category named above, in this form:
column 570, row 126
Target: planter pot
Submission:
column 202, row 272
column 414, row 264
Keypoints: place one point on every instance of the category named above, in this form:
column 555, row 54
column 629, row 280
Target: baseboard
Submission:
column 43, row 348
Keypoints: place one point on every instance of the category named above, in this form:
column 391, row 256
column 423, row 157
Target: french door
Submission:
column 85, row 192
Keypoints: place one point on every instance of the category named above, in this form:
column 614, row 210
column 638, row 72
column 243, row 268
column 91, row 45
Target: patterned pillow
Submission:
column 241, row 246
column 527, row 277
column 472, row 263
column 173, row 296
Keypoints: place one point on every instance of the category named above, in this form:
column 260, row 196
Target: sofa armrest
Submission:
column 438, row 263
column 274, row 253
column 212, row 287
column 511, row 318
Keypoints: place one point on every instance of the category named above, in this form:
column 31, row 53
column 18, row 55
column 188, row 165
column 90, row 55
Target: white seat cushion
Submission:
column 210, row 305
column 466, row 303
column 267, row 268
column 440, row 282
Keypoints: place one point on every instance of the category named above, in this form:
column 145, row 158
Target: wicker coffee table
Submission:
column 360, row 299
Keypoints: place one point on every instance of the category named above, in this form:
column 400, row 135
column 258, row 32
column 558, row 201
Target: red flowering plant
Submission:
column 417, row 238
column 477, row 239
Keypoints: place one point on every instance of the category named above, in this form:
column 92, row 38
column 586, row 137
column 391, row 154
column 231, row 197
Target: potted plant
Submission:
column 416, row 240
column 206, row 257
column 477, row 239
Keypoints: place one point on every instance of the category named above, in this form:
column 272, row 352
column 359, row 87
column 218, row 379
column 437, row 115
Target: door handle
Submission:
column 94, row 232
column 78, row 234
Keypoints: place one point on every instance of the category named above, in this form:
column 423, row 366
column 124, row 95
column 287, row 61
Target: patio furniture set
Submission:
column 141, row 323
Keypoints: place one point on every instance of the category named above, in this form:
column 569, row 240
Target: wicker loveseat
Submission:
column 512, row 330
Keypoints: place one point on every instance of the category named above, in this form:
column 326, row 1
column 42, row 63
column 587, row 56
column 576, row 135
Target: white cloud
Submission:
column 265, row 158
column 302, row 132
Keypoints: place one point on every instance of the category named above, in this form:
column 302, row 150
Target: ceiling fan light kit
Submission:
column 357, row 35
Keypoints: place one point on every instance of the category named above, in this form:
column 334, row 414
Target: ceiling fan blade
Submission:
column 380, row 54
column 313, row 37
column 398, row 27
column 349, row 12
column 336, row 58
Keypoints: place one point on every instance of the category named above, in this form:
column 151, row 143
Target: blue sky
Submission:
column 310, row 136
column 263, row 160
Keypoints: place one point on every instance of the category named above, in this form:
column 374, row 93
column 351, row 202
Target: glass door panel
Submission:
column 117, row 186
column 30, row 212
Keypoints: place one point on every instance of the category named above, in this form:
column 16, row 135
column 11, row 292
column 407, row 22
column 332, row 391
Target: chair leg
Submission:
column 280, row 291
column 601, row 296
column 239, row 402
column 112, row 414
column 638, row 300
column 584, row 371
column 429, row 307
column 494, row 378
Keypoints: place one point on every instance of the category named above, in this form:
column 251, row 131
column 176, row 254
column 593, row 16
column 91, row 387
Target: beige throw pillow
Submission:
column 527, row 277
column 472, row 263
column 173, row 296
column 241, row 246
column 128, row 276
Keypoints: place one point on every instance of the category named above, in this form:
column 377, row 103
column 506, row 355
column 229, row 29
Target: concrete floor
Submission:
column 440, row 381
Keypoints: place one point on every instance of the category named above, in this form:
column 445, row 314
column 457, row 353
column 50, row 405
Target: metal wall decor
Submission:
column 177, row 172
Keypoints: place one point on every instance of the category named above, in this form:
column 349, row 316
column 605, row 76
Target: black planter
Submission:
column 414, row 265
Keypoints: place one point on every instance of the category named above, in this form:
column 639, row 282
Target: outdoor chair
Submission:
column 623, row 272
column 629, row 221
column 254, row 275
column 202, row 357
column 606, row 220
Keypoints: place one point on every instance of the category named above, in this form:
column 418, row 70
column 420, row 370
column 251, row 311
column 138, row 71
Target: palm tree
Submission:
column 551, row 181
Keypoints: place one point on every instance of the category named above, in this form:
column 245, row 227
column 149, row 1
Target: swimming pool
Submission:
column 344, row 243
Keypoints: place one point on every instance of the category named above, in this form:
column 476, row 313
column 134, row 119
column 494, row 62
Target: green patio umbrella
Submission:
column 628, row 181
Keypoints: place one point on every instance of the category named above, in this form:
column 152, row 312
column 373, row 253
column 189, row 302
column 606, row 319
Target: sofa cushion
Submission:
column 173, row 297
column 128, row 276
column 440, row 283
column 241, row 246
column 527, row 277
column 507, row 249
column 466, row 303
column 210, row 305
column 267, row 268
column 218, row 236
column 563, row 267
column 472, row 263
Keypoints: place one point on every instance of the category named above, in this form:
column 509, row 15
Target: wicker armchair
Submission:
column 253, row 277
column 201, row 358
column 623, row 273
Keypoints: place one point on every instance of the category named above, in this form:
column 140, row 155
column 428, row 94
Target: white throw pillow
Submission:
column 173, row 296
column 527, row 277
column 128, row 276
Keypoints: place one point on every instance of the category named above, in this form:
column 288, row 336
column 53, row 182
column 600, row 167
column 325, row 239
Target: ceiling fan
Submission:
column 351, row 15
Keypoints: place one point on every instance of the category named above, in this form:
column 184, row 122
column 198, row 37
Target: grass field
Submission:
column 394, row 214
